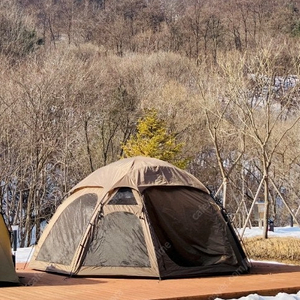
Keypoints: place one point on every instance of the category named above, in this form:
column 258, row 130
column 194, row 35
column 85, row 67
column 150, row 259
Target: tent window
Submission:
column 68, row 230
column 124, row 196
column 118, row 241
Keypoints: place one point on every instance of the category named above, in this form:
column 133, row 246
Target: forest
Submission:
column 77, row 75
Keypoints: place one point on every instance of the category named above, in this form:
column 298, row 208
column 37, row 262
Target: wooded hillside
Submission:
column 78, row 74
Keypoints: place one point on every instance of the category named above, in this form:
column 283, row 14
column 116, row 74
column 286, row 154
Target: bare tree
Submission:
column 227, row 138
column 266, row 123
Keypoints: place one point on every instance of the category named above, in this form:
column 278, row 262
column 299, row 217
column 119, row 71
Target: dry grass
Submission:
column 285, row 250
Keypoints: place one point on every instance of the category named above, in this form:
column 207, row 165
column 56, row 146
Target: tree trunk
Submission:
column 267, row 205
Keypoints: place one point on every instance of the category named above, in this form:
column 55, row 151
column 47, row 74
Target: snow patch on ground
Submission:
column 279, row 296
column 278, row 232
column 23, row 255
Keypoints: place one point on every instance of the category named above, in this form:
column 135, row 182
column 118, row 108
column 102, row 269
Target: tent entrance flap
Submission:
column 190, row 223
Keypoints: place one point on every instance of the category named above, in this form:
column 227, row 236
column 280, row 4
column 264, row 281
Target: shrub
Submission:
column 285, row 250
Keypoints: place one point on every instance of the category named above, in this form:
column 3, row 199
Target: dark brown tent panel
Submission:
column 140, row 217
column 8, row 274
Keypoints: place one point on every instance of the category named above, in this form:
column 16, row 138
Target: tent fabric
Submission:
column 139, row 172
column 140, row 217
column 194, row 239
column 8, row 274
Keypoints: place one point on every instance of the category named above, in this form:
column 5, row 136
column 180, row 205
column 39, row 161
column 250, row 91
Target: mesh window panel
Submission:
column 118, row 242
column 65, row 235
column 124, row 196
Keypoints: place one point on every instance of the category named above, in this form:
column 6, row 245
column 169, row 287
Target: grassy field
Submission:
column 285, row 250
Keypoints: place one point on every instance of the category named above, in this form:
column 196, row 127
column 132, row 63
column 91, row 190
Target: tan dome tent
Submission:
column 8, row 274
column 139, row 217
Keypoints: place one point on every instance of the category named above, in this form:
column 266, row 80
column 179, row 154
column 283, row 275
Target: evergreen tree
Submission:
column 153, row 139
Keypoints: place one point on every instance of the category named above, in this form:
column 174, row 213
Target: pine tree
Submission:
column 152, row 139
